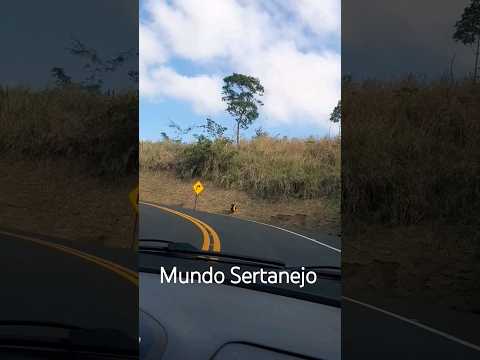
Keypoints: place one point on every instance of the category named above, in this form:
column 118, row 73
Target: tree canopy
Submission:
column 336, row 114
column 468, row 30
column 241, row 93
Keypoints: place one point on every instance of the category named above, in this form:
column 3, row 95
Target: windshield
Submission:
column 300, row 242
column 313, row 282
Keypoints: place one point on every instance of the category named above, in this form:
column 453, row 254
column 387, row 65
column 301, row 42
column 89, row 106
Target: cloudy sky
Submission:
column 188, row 46
column 392, row 38
column 34, row 41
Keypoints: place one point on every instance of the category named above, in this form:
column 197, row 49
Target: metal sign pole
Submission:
column 195, row 205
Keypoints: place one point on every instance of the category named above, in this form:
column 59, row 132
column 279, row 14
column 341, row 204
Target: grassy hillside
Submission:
column 68, row 159
column 265, row 167
column 96, row 129
column 315, row 216
column 408, row 152
column 410, row 190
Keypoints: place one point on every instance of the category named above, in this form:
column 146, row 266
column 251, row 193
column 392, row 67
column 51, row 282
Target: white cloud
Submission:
column 152, row 50
column 297, row 85
column 270, row 42
column 200, row 91
column 322, row 17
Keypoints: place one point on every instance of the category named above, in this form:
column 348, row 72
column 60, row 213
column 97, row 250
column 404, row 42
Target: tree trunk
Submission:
column 238, row 133
column 475, row 72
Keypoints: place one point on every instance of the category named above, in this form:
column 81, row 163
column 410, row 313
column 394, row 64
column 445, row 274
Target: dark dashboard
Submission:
column 244, row 321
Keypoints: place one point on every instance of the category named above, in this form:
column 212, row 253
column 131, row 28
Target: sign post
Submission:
column 134, row 197
column 197, row 189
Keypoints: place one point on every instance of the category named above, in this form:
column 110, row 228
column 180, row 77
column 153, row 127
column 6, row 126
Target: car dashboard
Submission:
column 219, row 321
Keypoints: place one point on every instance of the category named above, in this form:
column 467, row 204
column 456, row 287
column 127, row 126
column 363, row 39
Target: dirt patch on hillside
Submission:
column 57, row 198
column 300, row 215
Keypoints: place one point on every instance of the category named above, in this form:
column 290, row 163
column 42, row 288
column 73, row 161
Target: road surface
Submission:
column 369, row 331
column 237, row 236
column 50, row 280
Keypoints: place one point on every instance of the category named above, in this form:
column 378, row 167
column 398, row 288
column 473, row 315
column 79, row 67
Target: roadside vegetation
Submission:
column 264, row 166
column 410, row 184
column 76, row 119
column 97, row 129
column 429, row 131
column 285, row 181
column 69, row 153
column 410, row 190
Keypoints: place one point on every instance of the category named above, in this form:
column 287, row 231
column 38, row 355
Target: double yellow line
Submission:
column 211, row 240
column 130, row 275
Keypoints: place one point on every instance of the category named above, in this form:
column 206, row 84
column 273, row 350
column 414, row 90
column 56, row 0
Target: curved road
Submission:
column 372, row 332
column 237, row 236
column 51, row 280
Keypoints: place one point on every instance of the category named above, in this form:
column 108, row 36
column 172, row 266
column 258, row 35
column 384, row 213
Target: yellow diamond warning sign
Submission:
column 133, row 197
column 198, row 188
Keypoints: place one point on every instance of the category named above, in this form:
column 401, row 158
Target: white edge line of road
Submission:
column 398, row 317
column 294, row 233
column 372, row 307
column 275, row 227
column 416, row 323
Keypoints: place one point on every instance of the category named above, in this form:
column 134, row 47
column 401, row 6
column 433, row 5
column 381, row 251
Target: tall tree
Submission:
column 468, row 31
column 241, row 93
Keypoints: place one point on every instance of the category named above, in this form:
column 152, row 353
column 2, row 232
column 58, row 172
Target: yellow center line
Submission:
column 216, row 238
column 205, row 229
column 122, row 271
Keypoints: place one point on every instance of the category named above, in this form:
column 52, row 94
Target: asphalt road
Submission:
column 368, row 332
column 239, row 237
column 49, row 280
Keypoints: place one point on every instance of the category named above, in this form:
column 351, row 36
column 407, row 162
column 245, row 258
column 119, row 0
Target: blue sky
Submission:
column 188, row 46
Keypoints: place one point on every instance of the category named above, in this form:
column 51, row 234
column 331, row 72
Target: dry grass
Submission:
column 265, row 167
column 313, row 216
column 410, row 191
column 292, row 183
column 56, row 198
column 409, row 151
column 68, row 158
column 96, row 129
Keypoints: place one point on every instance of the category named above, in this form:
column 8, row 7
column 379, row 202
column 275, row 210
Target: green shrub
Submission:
column 213, row 160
